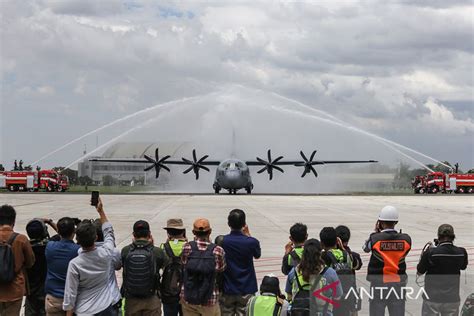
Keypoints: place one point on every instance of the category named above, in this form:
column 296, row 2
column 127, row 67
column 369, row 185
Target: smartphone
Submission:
column 95, row 198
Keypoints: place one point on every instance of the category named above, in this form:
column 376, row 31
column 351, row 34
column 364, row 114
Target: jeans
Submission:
column 444, row 309
column 234, row 305
column 172, row 309
column 112, row 310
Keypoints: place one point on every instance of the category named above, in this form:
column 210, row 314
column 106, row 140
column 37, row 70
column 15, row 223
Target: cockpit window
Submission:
column 233, row 165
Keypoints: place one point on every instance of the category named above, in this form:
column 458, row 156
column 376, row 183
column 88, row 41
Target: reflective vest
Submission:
column 264, row 305
column 387, row 263
column 297, row 252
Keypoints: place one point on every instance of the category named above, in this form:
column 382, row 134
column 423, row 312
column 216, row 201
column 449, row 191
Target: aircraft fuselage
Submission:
column 232, row 175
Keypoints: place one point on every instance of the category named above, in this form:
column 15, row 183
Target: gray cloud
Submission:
column 401, row 70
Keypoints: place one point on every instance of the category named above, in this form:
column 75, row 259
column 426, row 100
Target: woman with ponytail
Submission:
column 309, row 276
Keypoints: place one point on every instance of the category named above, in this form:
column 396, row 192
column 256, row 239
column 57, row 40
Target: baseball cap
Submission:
column 202, row 224
column 446, row 230
column 174, row 223
column 141, row 226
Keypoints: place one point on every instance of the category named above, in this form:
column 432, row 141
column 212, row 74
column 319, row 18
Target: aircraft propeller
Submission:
column 195, row 164
column 270, row 164
column 308, row 164
column 157, row 163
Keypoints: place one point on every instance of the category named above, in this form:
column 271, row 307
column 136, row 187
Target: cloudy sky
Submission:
column 399, row 69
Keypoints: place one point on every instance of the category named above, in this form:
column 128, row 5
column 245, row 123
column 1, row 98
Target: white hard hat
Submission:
column 388, row 213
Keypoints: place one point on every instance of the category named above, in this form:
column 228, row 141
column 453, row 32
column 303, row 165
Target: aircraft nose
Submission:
column 233, row 174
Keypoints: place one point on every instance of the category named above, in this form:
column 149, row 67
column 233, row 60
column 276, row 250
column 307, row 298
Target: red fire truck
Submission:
column 435, row 182
column 47, row 180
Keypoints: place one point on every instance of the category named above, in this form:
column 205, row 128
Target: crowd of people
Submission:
column 74, row 271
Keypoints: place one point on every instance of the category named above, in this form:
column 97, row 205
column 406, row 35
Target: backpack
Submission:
column 7, row 260
column 199, row 274
column 304, row 303
column 345, row 274
column 140, row 272
column 172, row 278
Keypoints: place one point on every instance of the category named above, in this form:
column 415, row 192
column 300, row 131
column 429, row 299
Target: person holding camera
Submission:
column 58, row 254
column 240, row 280
column 270, row 302
column 442, row 264
column 386, row 270
column 88, row 288
column 37, row 230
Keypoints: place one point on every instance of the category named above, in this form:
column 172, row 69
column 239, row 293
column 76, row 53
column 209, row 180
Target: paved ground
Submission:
column 269, row 218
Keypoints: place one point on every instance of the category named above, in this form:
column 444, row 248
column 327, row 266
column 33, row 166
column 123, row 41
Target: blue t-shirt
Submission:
column 239, row 276
column 58, row 254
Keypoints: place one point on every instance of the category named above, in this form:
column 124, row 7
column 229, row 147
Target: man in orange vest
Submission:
column 386, row 270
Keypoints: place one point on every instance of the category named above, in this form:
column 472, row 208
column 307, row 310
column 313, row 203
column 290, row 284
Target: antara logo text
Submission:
column 380, row 292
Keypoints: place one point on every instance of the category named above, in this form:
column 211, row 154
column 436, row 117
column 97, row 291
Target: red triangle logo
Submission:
column 332, row 286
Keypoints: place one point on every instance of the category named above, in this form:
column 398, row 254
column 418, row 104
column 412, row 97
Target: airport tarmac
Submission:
column 269, row 218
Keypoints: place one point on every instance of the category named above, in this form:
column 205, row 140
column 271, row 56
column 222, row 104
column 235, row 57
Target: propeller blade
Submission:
column 156, row 154
column 149, row 168
column 189, row 169
column 276, row 160
column 303, row 155
column 149, row 158
column 300, row 164
column 314, row 172
column 312, row 155
column 270, row 173
column 261, row 161
column 157, row 174
column 304, row 172
column 205, row 168
column 162, row 160
column 189, row 162
column 262, row 170
column 203, row 158
column 194, row 155
column 278, row 168
column 165, row 167
column 269, row 154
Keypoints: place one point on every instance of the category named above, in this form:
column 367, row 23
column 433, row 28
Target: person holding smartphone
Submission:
column 387, row 267
column 88, row 290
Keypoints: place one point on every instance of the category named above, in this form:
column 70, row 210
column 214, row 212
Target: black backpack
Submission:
column 172, row 278
column 345, row 274
column 140, row 272
column 304, row 303
column 7, row 260
column 199, row 275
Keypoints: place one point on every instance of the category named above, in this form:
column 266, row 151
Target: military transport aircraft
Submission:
column 232, row 174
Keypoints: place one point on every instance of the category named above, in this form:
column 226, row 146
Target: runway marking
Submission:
column 32, row 203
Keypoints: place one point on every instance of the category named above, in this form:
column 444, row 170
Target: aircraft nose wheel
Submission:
column 217, row 189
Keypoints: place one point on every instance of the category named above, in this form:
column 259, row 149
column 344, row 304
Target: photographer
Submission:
column 58, row 254
column 37, row 230
column 442, row 264
column 387, row 266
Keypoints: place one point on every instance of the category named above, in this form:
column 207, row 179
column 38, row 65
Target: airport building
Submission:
column 125, row 173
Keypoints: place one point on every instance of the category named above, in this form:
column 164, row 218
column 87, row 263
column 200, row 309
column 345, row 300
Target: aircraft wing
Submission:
column 270, row 165
column 161, row 163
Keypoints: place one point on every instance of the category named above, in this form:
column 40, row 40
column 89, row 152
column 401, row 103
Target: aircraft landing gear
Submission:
column 249, row 190
column 217, row 188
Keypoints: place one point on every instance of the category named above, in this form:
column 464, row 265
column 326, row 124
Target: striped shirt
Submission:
column 219, row 256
